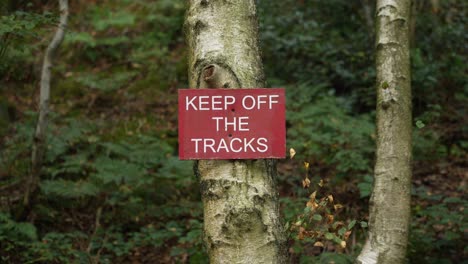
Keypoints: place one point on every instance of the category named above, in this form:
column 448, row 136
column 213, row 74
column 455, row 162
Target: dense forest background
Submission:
column 112, row 188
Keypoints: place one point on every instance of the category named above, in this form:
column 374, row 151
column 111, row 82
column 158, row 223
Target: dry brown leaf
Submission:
column 330, row 219
column 300, row 236
column 347, row 234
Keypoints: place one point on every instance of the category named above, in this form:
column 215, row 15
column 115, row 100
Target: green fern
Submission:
column 69, row 189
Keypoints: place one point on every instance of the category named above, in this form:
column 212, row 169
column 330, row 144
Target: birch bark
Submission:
column 39, row 142
column 241, row 212
column 390, row 199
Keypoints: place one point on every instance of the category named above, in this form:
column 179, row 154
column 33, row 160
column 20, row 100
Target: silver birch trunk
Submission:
column 241, row 210
column 39, row 142
column 390, row 200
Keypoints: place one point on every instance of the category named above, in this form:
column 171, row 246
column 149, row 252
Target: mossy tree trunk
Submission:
column 241, row 211
column 390, row 200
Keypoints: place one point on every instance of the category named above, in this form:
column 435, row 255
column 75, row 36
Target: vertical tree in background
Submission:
column 390, row 201
column 241, row 211
column 39, row 142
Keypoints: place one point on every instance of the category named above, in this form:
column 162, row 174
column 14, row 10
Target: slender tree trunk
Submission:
column 39, row 142
column 413, row 17
column 241, row 211
column 390, row 200
column 367, row 10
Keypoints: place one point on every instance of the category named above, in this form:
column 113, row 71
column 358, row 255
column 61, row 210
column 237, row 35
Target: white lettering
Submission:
column 222, row 144
column 244, row 102
column 229, row 102
column 214, row 102
column 234, row 144
column 227, row 123
column 260, row 102
column 201, row 103
column 187, row 103
column 217, row 118
column 232, row 148
column 248, row 144
column 196, row 143
column 271, row 99
column 264, row 145
column 211, row 145
column 242, row 124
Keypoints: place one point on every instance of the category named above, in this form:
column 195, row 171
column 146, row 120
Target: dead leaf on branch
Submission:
column 318, row 244
column 292, row 152
column 306, row 183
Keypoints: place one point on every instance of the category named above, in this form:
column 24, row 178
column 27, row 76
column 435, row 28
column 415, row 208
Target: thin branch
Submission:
column 97, row 225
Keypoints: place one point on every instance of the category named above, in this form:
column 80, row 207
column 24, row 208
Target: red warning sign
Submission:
column 232, row 123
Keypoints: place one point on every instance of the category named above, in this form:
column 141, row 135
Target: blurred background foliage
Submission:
column 113, row 189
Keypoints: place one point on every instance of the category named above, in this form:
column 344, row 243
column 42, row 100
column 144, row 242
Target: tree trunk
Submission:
column 241, row 210
column 367, row 10
column 390, row 201
column 39, row 142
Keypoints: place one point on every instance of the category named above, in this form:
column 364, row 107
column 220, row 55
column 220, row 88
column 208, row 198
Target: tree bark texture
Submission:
column 390, row 200
column 39, row 142
column 241, row 210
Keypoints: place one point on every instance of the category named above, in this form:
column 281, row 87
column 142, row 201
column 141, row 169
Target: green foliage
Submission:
column 131, row 179
column 324, row 132
column 68, row 189
column 20, row 244
column 365, row 187
column 17, row 30
column 326, row 258
column 318, row 224
column 122, row 61
column 106, row 84
column 438, row 229
column 10, row 229
column 319, row 43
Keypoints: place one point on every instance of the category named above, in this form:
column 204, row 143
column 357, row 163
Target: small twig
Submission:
column 97, row 225
column 8, row 186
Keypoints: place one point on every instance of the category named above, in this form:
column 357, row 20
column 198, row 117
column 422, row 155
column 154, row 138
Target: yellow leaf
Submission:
column 312, row 196
column 343, row 244
column 330, row 198
column 320, row 183
column 318, row 244
column 306, row 183
column 338, row 206
column 306, row 165
column 292, row 152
